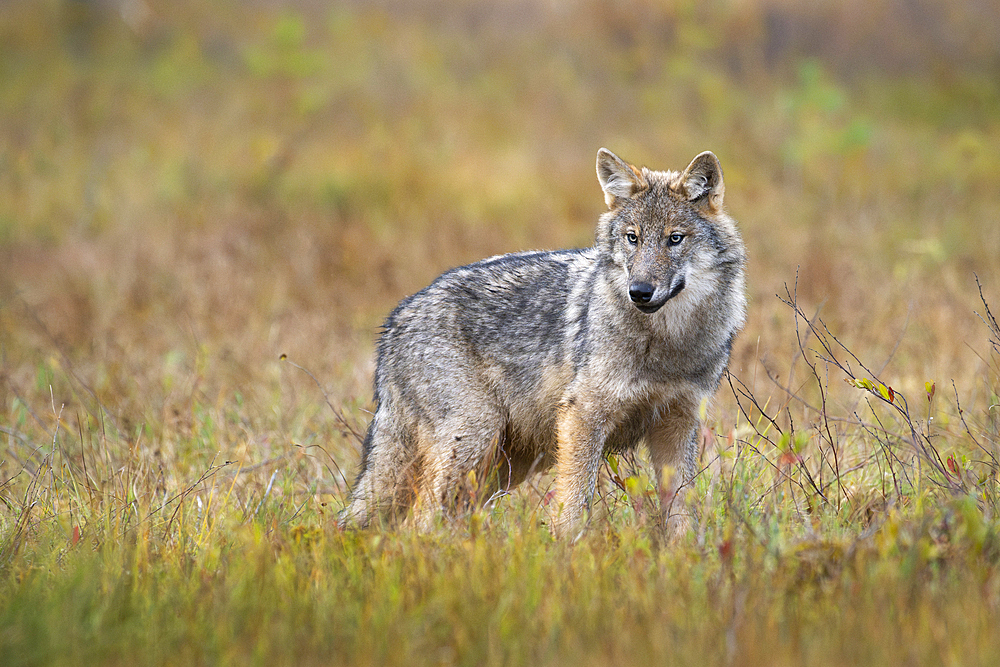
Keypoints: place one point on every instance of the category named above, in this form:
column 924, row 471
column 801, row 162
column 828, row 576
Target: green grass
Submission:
column 202, row 206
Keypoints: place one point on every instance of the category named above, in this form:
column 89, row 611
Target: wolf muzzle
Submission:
column 649, row 299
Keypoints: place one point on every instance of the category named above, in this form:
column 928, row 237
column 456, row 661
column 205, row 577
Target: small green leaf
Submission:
column 784, row 440
column 613, row 463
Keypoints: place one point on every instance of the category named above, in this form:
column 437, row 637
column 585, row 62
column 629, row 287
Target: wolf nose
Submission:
column 641, row 292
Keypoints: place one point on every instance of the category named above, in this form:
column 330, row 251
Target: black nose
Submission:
column 641, row 292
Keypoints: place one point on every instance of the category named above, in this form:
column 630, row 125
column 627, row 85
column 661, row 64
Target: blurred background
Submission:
column 190, row 190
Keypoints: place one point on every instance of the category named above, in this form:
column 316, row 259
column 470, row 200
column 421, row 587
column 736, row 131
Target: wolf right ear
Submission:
column 618, row 178
column 702, row 181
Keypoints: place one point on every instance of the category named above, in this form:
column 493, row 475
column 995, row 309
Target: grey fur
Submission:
column 522, row 361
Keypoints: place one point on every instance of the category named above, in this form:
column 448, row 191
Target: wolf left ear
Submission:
column 618, row 178
column 702, row 182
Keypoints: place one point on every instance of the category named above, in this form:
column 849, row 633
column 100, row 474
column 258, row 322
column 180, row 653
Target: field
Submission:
column 207, row 209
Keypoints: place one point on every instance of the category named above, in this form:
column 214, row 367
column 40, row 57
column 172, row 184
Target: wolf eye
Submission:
column 675, row 238
column 631, row 238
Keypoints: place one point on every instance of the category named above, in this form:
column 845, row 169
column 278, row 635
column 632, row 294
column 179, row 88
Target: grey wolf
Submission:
column 525, row 361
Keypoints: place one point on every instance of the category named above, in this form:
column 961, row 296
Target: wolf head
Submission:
column 667, row 231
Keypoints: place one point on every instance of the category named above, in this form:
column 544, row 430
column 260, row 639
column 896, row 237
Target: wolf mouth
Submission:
column 652, row 307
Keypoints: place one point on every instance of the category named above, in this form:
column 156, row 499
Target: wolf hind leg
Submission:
column 385, row 485
column 453, row 451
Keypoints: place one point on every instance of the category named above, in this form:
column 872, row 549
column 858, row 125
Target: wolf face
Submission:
column 663, row 227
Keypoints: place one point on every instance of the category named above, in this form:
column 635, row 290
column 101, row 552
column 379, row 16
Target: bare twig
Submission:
column 337, row 413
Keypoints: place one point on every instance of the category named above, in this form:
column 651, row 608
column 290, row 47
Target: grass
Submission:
column 205, row 212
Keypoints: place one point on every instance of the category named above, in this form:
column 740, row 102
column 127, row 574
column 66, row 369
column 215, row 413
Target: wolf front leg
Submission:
column 673, row 451
column 581, row 432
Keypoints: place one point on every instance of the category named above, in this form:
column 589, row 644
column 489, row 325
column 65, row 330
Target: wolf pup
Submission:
column 523, row 361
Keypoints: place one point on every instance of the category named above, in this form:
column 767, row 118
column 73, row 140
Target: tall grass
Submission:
column 206, row 210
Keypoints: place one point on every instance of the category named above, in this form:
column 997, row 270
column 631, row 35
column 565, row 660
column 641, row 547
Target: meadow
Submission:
column 207, row 209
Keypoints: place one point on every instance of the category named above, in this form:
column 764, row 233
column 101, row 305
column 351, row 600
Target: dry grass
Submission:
column 188, row 192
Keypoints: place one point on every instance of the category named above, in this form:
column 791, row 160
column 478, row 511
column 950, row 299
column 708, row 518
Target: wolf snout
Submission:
column 649, row 298
column 641, row 293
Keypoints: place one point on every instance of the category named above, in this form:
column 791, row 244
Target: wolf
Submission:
column 525, row 361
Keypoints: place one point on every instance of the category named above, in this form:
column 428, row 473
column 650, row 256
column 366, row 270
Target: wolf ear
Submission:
column 618, row 178
column 702, row 182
